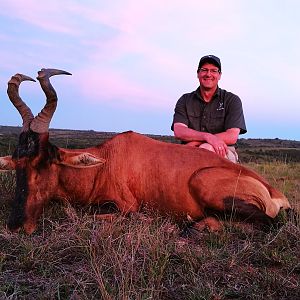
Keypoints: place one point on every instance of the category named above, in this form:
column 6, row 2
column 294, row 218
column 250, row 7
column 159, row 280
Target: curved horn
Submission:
column 13, row 94
column 41, row 122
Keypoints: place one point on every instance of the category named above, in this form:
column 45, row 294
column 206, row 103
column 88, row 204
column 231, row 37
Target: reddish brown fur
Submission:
column 177, row 180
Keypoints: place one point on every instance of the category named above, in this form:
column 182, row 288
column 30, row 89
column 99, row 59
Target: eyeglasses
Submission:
column 213, row 71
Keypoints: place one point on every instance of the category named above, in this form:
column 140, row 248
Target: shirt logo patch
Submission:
column 221, row 106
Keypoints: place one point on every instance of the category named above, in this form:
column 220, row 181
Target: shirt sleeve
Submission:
column 235, row 115
column 180, row 114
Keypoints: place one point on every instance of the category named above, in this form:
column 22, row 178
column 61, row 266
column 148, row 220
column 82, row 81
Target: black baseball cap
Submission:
column 210, row 59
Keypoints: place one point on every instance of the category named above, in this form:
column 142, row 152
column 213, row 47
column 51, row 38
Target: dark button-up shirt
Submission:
column 223, row 112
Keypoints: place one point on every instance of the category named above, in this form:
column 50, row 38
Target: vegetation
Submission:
column 145, row 256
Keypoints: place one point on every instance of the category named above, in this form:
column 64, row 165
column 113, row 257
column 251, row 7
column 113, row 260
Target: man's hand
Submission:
column 218, row 144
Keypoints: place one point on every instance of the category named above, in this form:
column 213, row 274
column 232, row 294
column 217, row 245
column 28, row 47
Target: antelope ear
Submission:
column 7, row 164
column 79, row 159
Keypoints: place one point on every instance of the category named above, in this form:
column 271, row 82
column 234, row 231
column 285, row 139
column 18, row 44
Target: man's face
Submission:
column 209, row 76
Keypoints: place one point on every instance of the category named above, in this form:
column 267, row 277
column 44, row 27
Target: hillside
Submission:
column 249, row 149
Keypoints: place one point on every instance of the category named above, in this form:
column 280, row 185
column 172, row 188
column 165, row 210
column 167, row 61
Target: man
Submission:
column 210, row 117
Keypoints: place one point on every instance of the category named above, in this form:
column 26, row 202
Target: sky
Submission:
column 131, row 60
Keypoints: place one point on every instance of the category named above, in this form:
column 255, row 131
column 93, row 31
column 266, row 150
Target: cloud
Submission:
column 106, row 86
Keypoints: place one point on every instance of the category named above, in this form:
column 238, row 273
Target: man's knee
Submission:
column 231, row 152
column 207, row 147
column 193, row 144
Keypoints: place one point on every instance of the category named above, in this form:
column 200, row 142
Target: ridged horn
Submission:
column 20, row 105
column 41, row 122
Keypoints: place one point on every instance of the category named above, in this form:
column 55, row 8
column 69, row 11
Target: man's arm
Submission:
column 230, row 136
column 184, row 133
column 218, row 141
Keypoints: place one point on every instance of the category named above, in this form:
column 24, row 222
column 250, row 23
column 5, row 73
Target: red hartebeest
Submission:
column 131, row 170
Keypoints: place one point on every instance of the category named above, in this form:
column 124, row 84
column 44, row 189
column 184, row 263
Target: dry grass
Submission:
column 74, row 256
column 284, row 176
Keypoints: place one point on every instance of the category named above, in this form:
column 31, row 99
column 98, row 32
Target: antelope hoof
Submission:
column 29, row 228
column 18, row 78
column 209, row 223
column 46, row 73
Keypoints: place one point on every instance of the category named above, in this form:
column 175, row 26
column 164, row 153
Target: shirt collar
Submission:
column 216, row 94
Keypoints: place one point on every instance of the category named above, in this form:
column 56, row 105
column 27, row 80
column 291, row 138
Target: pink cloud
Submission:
column 112, row 87
column 51, row 16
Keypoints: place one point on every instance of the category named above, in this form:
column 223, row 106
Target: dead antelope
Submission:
column 130, row 170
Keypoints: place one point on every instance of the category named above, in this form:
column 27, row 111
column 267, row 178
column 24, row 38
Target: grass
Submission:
column 284, row 176
column 145, row 256
column 75, row 257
